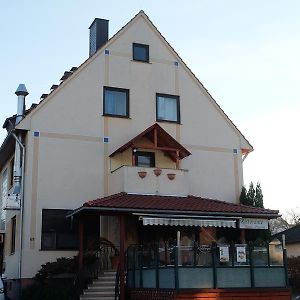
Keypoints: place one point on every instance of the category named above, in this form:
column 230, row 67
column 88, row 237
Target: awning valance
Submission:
column 188, row 222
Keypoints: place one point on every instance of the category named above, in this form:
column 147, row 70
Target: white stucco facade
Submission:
column 67, row 162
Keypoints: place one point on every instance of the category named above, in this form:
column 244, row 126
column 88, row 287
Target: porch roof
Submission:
column 132, row 203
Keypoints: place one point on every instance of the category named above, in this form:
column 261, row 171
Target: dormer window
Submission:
column 140, row 52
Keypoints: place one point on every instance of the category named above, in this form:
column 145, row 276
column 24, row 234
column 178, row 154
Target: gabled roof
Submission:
column 164, row 140
column 123, row 202
column 113, row 38
column 292, row 235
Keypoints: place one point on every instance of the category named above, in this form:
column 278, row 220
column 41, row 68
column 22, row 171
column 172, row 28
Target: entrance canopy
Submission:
column 174, row 207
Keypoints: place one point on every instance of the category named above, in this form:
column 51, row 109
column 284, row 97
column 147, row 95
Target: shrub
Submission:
column 49, row 291
column 294, row 271
column 60, row 266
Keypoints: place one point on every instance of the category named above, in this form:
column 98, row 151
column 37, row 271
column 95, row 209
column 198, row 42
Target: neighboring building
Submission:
column 292, row 240
column 135, row 129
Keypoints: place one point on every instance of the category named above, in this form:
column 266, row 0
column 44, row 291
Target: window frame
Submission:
column 126, row 91
column 177, row 98
column 144, row 46
column 56, row 233
column 145, row 153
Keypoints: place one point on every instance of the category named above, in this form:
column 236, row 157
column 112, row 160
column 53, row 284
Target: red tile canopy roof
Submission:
column 192, row 205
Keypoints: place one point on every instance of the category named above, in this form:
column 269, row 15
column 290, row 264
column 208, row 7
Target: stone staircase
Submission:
column 102, row 288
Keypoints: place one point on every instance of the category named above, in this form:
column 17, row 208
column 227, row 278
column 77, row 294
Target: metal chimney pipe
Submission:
column 21, row 92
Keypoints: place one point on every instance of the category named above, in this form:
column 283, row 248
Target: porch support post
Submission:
column 177, row 159
column 122, row 256
column 133, row 157
column 81, row 229
column 243, row 235
column 155, row 137
column 251, row 266
column 285, row 262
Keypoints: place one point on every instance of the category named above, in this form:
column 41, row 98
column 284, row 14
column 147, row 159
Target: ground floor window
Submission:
column 58, row 232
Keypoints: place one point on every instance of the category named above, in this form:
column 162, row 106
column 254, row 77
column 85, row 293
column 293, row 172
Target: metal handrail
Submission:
column 96, row 260
column 117, row 283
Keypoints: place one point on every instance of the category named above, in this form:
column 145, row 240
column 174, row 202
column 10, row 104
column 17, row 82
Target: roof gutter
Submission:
column 139, row 210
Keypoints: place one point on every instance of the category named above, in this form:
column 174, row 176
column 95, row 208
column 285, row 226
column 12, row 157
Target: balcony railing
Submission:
column 196, row 267
column 149, row 181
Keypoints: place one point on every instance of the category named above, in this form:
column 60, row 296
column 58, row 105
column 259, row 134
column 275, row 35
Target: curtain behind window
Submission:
column 167, row 108
column 115, row 103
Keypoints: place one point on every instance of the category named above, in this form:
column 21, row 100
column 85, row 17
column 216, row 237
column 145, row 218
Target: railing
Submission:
column 96, row 260
column 198, row 266
column 117, row 284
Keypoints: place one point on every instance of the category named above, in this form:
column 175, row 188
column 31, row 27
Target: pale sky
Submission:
column 246, row 53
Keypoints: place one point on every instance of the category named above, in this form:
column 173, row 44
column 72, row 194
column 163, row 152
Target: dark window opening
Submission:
column 59, row 232
column 145, row 159
column 167, row 108
column 140, row 52
column 13, row 235
column 115, row 102
column 11, row 182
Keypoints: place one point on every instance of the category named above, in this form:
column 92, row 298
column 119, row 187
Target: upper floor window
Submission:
column 115, row 102
column 167, row 108
column 145, row 159
column 140, row 52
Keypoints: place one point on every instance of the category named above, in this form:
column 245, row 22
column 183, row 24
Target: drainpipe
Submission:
column 19, row 165
column 18, row 141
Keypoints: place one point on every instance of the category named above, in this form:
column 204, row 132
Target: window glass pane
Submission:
column 49, row 240
column 67, row 241
column 115, row 102
column 167, row 108
column 145, row 159
column 140, row 52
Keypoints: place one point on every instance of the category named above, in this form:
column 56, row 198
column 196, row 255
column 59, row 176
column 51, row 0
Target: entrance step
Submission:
column 102, row 288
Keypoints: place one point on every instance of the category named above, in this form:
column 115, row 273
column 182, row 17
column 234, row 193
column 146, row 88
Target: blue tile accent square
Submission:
column 106, row 51
column 36, row 133
column 106, row 140
column 235, row 151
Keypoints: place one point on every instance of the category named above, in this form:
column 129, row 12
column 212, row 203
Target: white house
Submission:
column 132, row 110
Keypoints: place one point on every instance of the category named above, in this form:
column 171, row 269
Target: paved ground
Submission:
column 296, row 296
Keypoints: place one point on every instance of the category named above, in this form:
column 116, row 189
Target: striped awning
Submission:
column 188, row 222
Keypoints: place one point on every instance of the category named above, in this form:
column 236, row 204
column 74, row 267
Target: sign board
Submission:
column 241, row 256
column 224, row 254
column 252, row 223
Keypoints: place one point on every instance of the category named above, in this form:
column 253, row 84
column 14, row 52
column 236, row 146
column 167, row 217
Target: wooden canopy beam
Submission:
column 156, row 148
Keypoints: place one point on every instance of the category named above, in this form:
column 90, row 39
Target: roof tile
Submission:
column 190, row 204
